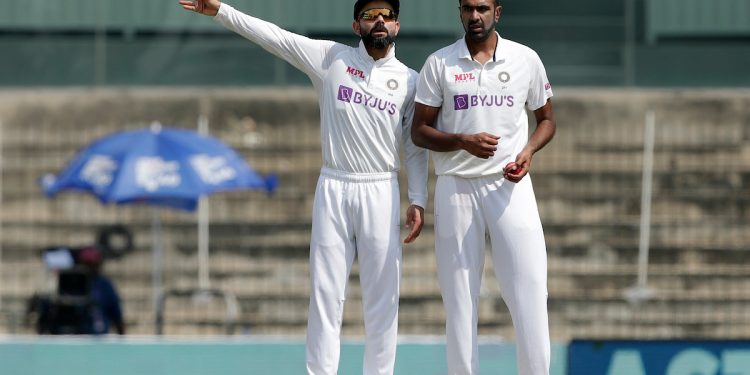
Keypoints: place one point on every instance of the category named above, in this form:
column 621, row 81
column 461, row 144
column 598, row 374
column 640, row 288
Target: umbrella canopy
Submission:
column 160, row 167
column 157, row 166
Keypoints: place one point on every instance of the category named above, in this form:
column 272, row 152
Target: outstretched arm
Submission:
column 306, row 54
column 424, row 134
column 207, row 7
column 545, row 130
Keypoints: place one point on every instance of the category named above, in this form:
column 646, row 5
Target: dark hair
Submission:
column 361, row 4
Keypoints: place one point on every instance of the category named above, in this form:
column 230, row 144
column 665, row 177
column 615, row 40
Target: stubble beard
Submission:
column 479, row 37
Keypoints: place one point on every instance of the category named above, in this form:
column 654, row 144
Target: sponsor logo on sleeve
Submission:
column 547, row 86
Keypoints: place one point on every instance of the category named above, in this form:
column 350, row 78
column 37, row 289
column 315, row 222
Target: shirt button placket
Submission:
column 480, row 86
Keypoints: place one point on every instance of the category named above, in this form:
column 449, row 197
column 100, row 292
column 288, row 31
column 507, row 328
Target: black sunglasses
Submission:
column 372, row 14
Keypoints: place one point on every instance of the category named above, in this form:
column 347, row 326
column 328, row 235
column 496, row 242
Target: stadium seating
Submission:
column 587, row 182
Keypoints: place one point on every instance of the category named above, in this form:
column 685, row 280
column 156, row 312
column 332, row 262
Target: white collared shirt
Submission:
column 479, row 98
column 366, row 106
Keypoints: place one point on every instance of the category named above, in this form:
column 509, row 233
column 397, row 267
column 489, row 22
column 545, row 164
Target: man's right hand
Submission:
column 482, row 145
column 207, row 7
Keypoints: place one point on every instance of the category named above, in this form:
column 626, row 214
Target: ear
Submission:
column 498, row 12
column 356, row 28
column 396, row 28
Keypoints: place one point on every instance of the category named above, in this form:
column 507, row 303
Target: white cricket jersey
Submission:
column 479, row 98
column 366, row 106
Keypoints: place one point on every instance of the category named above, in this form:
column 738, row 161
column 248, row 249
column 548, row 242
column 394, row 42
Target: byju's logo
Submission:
column 466, row 101
column 345, row 94
column 461, row 102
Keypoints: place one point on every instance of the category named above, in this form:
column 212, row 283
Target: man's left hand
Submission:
column 414, row 221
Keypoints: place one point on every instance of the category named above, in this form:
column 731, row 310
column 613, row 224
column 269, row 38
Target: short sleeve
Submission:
column 539, row 88
column 429, row 87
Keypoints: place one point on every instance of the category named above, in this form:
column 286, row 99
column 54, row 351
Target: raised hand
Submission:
column 207, row 7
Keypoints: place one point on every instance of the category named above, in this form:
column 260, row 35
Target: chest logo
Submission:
column 504, row 77
column 466, row 101
column 345, row 94
column 355, row 72
column 461, row 102
column 367, row 101
column 392, row 84
column 464, row 77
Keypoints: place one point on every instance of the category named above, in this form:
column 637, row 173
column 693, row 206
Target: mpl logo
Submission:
column 355, row 72
column 464, row 77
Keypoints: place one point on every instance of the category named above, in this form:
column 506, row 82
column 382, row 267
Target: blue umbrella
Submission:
column 159, row 167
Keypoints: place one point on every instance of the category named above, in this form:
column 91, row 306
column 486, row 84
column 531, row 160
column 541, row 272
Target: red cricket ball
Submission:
column 512, row 168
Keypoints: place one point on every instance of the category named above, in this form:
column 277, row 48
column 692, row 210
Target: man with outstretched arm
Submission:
column 366, row 107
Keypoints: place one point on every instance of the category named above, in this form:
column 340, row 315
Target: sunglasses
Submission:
column 372, row 14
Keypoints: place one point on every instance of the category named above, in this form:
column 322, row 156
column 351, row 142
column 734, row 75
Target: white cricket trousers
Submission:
column 354, row 215
column 466, row 208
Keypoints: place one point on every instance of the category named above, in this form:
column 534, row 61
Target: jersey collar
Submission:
column 366, row 56
column 463, row 49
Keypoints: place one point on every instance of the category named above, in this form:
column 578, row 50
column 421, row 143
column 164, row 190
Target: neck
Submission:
column 378, row 53
column 483, row 47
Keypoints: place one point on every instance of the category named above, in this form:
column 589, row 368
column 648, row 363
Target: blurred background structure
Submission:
column 644, row 43
column 76, row 70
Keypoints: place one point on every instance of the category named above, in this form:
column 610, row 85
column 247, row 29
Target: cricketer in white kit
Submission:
column 366, row 108
column 471, row 112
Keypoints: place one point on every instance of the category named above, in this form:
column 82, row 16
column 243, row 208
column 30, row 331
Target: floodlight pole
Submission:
column 203, row 233
column 641, row 292
column 646, row 191
column 157, row 256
